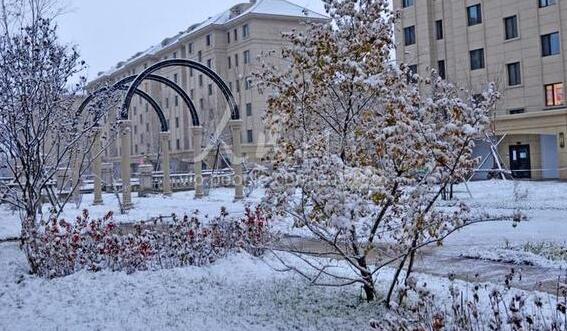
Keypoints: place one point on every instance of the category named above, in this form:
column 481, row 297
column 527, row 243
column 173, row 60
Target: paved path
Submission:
column 434, row 262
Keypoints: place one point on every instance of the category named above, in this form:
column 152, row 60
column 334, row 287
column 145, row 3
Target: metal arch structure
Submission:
column 235, row 114
column 142, row 94
column 172, row 85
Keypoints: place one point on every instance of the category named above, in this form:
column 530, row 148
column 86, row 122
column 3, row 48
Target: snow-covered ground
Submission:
column 179, row 203
column 242, row 292
column 237, row 293
column 543, row 202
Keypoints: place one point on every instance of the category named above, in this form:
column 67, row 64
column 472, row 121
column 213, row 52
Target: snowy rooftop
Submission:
column 260, row 7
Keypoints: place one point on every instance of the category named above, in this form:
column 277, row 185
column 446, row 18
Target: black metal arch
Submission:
column 235, row 114
column 174, row 86
column 142, row 94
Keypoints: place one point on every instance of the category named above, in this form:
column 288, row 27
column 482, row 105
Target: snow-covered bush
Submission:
column 480, row 307
column 365, row 148
column 62, row 248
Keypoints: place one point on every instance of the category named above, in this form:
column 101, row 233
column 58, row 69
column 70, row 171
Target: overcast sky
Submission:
column 109, row 31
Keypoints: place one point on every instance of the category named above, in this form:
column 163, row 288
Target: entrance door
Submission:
column 520, row 162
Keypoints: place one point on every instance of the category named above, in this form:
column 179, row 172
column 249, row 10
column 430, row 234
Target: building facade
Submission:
column 518, row 44
column 229, row 43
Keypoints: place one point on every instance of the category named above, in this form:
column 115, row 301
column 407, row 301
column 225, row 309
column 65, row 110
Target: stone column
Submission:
column 164, row 141
column 76, row 175
column 97, row 168
column 197, row 159
column 107, row 170
column 236, row 129
column 125, row 162
column 62, row 177
column 146, row 180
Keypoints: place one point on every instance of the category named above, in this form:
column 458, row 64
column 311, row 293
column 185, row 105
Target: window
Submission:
column 439, row 29
column 192, row 93
column 407, row 3
column 202, row 103
column 249, row 136
column 228, row 37
column 514, row 74
column 190, row 72
column 210, row 63
column 477, row 59
column 208, row 40
column 200, row 80
column 554, row 95
column 237, row 86
column 175, row 55
column 175, row 78
column 474, row 15
column 247, row 83
column 235, row 35
column 245, row 31
column 190, row 47
column 177, row 122
column 246, row 57
column 166, row 102
column 176, row 101
column 516, row 111
column 229, row 62
column 199, row 56
column 236, row 60
column 409, row 35
column 441, row 68
column 230, row 86
column 545, row 3
column 177, row 144
column 511, row 27
column 550, row 44
column 210, row 89
column 248, row 109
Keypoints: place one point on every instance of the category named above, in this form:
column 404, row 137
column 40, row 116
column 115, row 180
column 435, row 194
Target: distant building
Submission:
column 228, row 43
column 520, row 45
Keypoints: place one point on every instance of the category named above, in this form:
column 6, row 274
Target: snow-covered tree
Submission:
column 40, row 128
column 365, row 148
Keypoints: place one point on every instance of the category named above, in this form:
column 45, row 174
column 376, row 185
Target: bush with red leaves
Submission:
column 60, row 248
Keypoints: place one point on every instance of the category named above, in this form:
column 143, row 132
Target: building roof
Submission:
column 261, row 7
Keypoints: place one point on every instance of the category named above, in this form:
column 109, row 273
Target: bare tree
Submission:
column 40, row 129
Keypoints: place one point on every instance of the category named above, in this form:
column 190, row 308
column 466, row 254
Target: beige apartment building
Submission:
column 230, row 43
column 519, row 44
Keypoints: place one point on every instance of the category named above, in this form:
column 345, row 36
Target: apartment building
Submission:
column 518, row 44
column 230, row 43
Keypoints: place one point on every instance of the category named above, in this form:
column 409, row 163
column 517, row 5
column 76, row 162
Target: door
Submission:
column 520, row 162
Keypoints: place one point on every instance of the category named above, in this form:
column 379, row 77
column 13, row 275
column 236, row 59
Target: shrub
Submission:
column 61, row 248
column 480, row 308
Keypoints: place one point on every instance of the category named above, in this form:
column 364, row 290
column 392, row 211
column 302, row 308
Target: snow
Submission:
column 237, row 293
column 544, row 204
column 242, row 292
